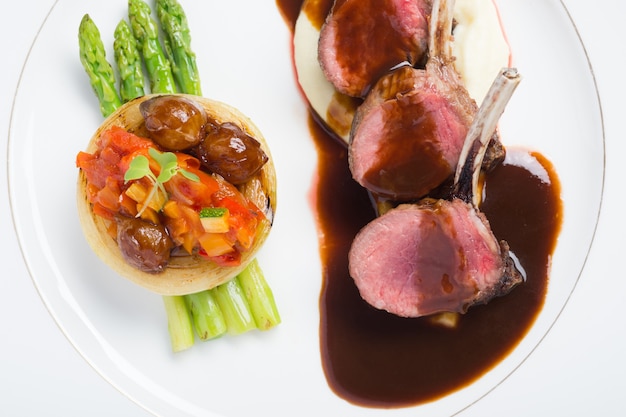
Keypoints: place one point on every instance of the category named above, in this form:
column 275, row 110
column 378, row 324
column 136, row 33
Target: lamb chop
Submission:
column 439, row 255
column 407, row 135
column 363, row 39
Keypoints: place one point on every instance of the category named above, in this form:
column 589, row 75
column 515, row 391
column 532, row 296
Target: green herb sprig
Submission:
column 168, row 164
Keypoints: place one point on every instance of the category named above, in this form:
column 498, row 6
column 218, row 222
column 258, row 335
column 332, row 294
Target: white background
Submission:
column 578, row 370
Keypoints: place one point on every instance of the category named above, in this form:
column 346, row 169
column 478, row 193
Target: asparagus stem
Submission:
column 146, row 33
column 259, row 296
column 128, row 62
column 206, row 314
column 234, row 306
column 100, row 72
column 178, row 45
column 178, row 322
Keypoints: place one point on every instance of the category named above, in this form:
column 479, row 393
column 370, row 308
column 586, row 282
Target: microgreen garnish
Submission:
column 168, row 163
column 139, row 167
column 169, row 166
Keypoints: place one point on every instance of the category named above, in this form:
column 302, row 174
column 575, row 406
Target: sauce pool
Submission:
column 374, row 359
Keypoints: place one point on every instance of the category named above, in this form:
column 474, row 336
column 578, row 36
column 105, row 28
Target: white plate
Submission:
column 244, row 55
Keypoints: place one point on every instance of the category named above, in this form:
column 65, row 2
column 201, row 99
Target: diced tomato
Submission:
column 196, row 194
column 128, row 206
column 106, row 200
column 96, row 170
column 105, row 169
column 122, row 141
column 101, row 211
column 229, row 259
column 110, row 156
column 243, row 220
column 126, row 159
column 109, row 196
column 84, row 159
column 188, row 162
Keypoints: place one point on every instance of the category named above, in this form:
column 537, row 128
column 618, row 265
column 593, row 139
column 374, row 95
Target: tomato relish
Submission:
column 176, row 204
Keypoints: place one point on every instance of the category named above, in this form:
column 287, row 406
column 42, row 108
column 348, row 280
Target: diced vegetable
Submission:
column 213, row 212
column 215, row 219
column 215, row 244
column 138, row 192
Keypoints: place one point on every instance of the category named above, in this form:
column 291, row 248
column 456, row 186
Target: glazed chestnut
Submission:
column 174, row 123
column 230, row 152
column 144, row 245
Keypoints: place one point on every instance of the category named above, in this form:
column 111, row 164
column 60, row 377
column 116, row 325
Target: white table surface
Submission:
column 578, row 370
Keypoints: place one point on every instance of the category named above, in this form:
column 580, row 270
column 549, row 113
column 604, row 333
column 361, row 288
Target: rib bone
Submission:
column 480, row 133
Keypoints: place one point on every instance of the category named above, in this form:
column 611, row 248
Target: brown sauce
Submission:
column 374, row 359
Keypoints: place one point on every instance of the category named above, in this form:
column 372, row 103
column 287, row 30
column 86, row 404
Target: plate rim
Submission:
column 597, row 105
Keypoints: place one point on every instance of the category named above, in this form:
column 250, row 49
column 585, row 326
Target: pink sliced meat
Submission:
column 438, row 256
column 407, row 136
column 361, row 40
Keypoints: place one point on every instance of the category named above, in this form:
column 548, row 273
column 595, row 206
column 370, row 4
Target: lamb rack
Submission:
column 440, row 255
column 407, row 135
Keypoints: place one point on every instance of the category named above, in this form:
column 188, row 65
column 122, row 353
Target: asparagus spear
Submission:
column 178, row 45
column 93, row 58
column 146, row 32
column 128, row 62
column 178, row 322
column 234, row 306
column 259, row 296
column 207, row 316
